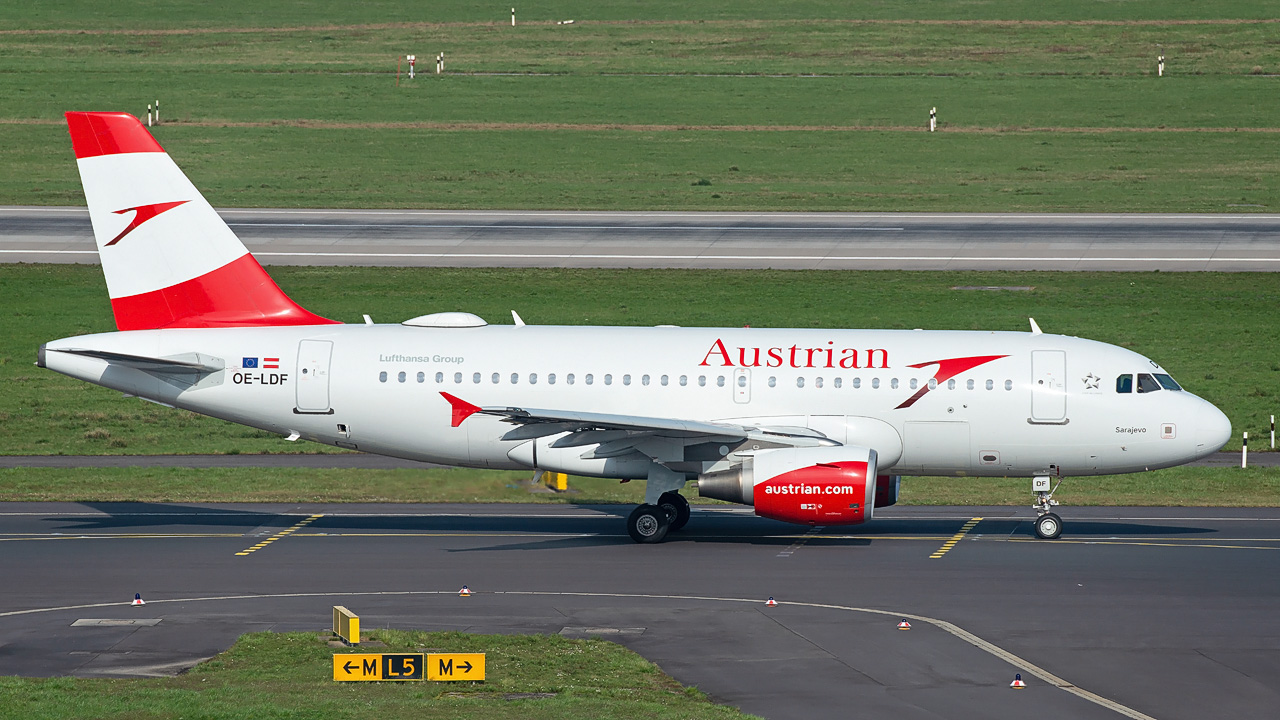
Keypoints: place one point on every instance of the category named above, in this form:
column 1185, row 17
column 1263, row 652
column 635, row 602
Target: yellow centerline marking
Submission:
column 280, row 535
column 946, row 546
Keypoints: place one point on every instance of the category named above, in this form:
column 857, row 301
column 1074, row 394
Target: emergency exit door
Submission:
column 312, row 378
column 1048, row 386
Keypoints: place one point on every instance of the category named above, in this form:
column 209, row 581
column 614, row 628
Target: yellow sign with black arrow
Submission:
column 384, row 667
column 455, row 666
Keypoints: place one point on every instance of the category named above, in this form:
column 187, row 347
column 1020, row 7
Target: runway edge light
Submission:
column 771, row 603
column 137, row 599
column 1017, row 683
column 464, row 592
column 904, row 625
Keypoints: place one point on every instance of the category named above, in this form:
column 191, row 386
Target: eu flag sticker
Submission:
column 249, row 363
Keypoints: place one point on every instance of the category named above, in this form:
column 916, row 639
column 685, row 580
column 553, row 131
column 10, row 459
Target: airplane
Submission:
column 808, row 426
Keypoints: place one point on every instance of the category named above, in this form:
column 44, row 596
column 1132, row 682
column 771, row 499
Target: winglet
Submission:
column 1035, row 329
column 461, row 408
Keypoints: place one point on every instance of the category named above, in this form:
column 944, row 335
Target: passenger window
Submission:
column 839, row 382
column 382, row 376
column 569, row 378
column 608, row 379
column 990, row 385
column 857, row 383
column 817, row 382
column 400, row 376
column 1124, row 384
column 951, row 384
column 933, row 383
column 773, row 381
column 476, row 378
column 914, row 383
column 1147, row 384
column 422, row 377
column 663, row 380
column 439, row 377
column 1008, row 384
column 515, row 378
column 799, row 382
column 968, row 385
column 742, row 381
column 875, row 383
column 644, row 379
column 551, row 378
column 590, row 378
column 497, row 378
column 702, row 381
column 684, row 380
column 626, row 379
column 457, row 378
column 894, row 383
column 533, row 378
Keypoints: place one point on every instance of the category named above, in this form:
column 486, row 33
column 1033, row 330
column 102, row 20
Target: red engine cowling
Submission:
column 812, row 486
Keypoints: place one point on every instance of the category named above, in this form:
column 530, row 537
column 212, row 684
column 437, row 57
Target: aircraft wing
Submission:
column 587, row 428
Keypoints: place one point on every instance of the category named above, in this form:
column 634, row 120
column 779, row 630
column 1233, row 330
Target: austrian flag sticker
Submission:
column 268, row 363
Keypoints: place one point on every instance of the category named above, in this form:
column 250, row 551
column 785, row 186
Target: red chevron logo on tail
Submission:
column 144, row 213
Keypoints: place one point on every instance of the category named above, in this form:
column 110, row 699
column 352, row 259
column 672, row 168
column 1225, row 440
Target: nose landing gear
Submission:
column 1048, row 524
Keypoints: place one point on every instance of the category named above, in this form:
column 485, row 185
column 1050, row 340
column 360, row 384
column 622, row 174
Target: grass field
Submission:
column 289, row 675
column 1185, row 486
column 296, row 105
column 1211, row 331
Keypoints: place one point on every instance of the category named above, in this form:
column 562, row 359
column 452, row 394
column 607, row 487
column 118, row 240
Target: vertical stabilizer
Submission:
column 169, row 259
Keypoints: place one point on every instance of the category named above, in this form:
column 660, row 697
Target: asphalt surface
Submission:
column 1165, row 613
column 363, row 461
column 912, row 241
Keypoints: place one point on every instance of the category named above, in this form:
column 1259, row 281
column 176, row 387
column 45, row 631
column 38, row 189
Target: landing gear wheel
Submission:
column 677, row 509
column 648, row 524
column 1048, row 526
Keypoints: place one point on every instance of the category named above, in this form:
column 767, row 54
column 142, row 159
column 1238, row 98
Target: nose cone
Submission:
column 1213, row 430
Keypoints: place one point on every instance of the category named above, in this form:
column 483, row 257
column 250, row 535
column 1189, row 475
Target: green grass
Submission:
column 289, row 675
column 628, row 115
column 1212, row 331
column 1184, row 486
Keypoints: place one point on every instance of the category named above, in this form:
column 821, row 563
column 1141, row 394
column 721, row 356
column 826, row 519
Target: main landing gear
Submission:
column 1048, row 524
column 651, row 523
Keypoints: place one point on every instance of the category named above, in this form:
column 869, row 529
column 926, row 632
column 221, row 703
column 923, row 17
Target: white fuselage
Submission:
column 1046, row 404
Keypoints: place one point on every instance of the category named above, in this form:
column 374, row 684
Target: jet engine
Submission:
column 813, row 486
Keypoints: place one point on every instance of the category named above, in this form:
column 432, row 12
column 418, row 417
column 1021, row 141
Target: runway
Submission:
column 879, row 241
column 1138, row 612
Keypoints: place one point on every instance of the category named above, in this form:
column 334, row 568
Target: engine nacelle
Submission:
column 813, row 486
column 887, row 490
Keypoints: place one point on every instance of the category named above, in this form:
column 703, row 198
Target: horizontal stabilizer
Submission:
column 187, row 363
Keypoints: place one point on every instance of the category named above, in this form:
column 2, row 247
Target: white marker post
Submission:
column 1273, row 432
column 148, row 114
column 933, row 119
column 1244, row 452
column 412, row 59
column 513, row 17
column 1160, row 66
column 157, row 112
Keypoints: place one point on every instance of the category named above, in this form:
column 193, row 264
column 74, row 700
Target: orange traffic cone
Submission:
column 464, row 592
column 771, row 603
column 904, row 625
column 137, row 599
column 1017, row 683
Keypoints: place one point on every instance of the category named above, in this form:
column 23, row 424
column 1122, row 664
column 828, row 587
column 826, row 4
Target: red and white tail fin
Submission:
column 169, row 259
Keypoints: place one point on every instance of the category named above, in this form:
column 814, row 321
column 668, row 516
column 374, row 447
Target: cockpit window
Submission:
column 1124, row 384
column 1147, row 383
column 1167, row 382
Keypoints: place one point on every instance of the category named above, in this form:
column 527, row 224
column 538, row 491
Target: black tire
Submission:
column 648, row 524
column 1048, row 526
column 677, row 509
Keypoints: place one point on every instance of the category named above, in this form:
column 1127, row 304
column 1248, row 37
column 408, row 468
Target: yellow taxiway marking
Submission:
column 946, row 546
column 281, row 535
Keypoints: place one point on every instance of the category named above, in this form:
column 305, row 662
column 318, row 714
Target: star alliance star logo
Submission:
column 1091, row 381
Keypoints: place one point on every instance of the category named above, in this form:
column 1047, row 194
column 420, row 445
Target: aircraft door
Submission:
column 742, row 385
column 312, row 378
column 1048, row 386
